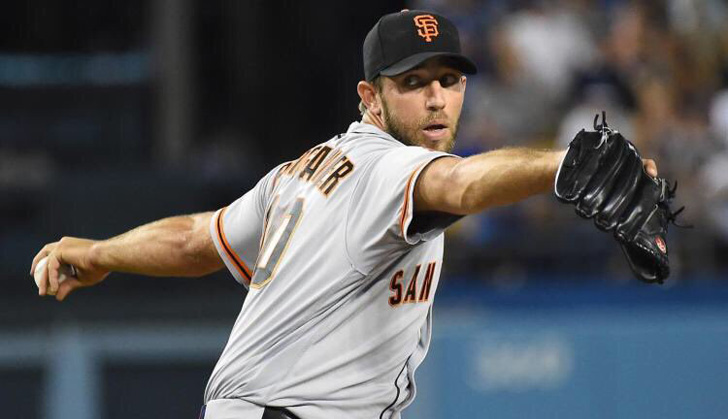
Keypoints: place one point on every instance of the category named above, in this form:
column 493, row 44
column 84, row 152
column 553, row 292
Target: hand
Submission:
column 650, row 167
column 70, row 251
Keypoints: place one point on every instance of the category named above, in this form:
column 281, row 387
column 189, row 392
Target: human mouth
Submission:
column 435, row 130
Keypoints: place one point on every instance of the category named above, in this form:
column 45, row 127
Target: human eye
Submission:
column 412, row 81
column 449, row 79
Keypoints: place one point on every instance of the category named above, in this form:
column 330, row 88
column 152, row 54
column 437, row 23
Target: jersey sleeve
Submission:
column 380, row 216
column 236, row 229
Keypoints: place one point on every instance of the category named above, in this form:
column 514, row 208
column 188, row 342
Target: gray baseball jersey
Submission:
column 341, row 282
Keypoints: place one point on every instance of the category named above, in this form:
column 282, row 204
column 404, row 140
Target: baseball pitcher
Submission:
column 341, row 249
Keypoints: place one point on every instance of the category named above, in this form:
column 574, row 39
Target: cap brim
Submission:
column 459, row 61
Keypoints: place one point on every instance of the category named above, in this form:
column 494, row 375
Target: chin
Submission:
column 444, row 145
column 413, row 137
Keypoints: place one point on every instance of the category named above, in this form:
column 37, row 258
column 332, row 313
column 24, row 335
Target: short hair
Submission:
column 377, row 82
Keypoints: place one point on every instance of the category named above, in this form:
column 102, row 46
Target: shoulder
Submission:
column 367, row 136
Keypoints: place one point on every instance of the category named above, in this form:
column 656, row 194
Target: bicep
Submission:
column 435, row 191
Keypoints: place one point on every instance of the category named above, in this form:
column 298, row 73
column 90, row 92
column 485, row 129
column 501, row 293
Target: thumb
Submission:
column 66, row 287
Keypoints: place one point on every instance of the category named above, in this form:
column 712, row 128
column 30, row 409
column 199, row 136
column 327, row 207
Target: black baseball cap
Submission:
column 403, row 40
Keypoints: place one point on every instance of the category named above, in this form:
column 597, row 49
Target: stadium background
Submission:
column 113, row 114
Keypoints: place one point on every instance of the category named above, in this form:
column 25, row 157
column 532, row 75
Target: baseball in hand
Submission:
column 65, row 272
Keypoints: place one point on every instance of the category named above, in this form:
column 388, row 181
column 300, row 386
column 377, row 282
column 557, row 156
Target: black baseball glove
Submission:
column 602, row 174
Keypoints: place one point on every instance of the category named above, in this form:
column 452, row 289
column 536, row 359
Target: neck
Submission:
column 373, row 119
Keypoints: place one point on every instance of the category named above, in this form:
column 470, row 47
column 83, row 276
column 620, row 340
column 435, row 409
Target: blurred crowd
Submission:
column 87, row 88
column 660, row 71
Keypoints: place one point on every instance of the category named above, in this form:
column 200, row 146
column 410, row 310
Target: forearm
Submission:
column 504, row 176
column 175, row 246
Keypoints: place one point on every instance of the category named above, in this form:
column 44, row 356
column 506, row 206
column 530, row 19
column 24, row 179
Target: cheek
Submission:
column 405, row 111
column 456, row 106
column 456, row 103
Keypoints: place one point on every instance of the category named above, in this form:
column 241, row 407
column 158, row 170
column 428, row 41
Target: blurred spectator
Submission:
column 658, row 68
column 654, row 67
column 550, row 42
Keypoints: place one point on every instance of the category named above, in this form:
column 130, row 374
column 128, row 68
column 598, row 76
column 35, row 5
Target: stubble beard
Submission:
column 409, row 136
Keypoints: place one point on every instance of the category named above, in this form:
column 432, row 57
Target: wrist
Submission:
column 95, row 255
column 556, row 158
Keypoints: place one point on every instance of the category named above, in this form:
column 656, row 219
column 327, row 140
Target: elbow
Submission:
column 462, row 192
column 197, row 250
column 189, row 248
column 191, row 255
column 471, row 195
column 470, row 201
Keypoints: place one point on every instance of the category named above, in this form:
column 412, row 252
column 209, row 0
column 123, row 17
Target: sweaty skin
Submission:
column 419, row 107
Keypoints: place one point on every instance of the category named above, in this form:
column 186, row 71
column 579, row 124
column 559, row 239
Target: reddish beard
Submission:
column 411, row 135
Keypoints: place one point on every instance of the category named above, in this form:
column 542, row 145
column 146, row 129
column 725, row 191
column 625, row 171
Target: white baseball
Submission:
column 63, row 274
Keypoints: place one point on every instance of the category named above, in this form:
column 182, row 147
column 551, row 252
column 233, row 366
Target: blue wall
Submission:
column 528, row 355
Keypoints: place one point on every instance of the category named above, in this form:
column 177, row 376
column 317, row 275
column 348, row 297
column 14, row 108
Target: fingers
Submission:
column 54, row 266
column 45, row 251
column 67, row 287
column 650, row 167
column 63, row 261
column 49, row 272
column 43, row 281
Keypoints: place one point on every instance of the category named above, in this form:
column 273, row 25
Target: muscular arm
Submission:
column 175, row 246
column 500, row 177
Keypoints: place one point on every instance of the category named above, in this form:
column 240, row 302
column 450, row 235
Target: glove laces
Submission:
column 603, row 127
column 672, row 215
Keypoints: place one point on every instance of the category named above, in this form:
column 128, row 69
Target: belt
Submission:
column 277, row 413
column 268, row 413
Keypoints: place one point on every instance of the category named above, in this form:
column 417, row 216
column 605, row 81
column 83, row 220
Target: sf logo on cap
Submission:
column 427, row 25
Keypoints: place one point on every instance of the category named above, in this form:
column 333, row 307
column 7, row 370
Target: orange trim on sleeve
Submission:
column 239, row 264
column 406, row 198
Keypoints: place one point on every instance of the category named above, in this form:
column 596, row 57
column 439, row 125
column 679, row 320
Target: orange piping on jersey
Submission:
column 239, row 264
column 406, row 198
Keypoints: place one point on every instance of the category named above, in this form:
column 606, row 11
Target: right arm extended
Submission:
column 499, row 177
column 175, row 246
column 495, row 178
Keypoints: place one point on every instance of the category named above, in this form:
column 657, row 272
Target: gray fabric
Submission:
column 342, row 319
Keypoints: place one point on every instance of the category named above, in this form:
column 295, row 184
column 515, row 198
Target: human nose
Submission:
column 435, row 96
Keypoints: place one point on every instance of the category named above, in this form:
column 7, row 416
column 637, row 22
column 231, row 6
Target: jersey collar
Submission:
column 358, row 127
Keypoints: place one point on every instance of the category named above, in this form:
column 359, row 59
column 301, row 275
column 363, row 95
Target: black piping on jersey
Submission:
column 229, row 251
column 381, row 415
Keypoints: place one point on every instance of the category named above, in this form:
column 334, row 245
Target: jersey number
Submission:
column 275, row 243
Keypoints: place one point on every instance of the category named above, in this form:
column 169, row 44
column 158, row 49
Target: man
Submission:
column 341, row 249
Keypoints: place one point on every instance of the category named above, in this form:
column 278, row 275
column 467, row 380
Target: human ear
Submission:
column 368, row 94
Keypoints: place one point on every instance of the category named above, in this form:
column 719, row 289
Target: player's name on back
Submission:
column 322, row 165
